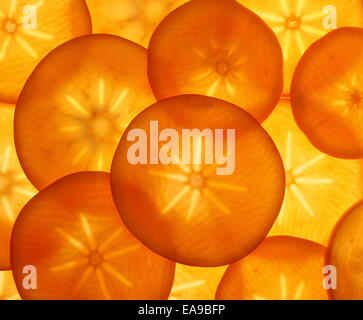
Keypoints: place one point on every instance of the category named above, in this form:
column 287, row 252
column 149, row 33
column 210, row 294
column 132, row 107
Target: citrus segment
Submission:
column 8, row 289
column 219, row 49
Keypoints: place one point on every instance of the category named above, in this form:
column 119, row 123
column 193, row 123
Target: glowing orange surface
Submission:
column 327, row 93
column 74, row 108
column 185, row 211
column 8, row 289
column 81, row 249
column 15, row 189
column 318, row 187
column 281, row 268
column 219, row 49
column 298, row 23
column 25, row 37
column 345, row 252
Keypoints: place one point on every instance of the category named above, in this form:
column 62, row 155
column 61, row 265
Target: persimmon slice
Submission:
column 298, row 23
column 219, row 49
column 8, row 289
column 131, row 19
column 281, row 268
column 327, row 93
column 345, row 252
column 81, row 249
column 318, row 187
column 187, row 210
column 29, row 29
column 193, row 283
column 72, row 112
column 15, row 189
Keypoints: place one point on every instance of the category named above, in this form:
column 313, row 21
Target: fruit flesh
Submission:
column 8, row 289
column 219, row 49
column 200, row 212
column 73, row 110
column 82, row 250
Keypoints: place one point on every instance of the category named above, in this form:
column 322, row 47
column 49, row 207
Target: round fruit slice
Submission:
column 73, row 110
column 205, row 173
column 345, row 253
column 193, row 283
column 318, row 187
column 8, row 289
column 131, row 19
column 29, row 29
column 298, row 23
column 81, row 249
column 281, row 268
column 327, row 93
column 15, row 189
column 219, row 49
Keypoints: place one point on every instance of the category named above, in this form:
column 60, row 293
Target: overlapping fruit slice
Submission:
column 327, row 93
column 345, row 253
column 29, row 29
column 81, row 249
column 281, row 268
column 15, row 189
column 132, row 19
column 75, row 106
column 318, row 187
column 219, row 49
column 208, row 192
column 8, row 289
column 193, row 283
column 298, row 23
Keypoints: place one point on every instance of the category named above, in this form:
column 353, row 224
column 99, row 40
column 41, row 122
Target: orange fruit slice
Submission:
column 208, row 218
column 15, row 189
column 82, row 250
column 72, row 112
column 345, row 254
column 29, row 29
column 219, row 49
column 327, row 93
column 318, row 187
column 131, row 19
column 298, row 23
column 193, row 283
column 8, row 289
column 281, row 268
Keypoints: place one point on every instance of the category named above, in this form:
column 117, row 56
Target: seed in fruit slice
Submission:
column 298, row 23
column 209, row 191
column 8, row 289
column 327, row 93
column 73, row 110
column 193, row 283
column 131, row 19
column 219, row 49
column 74, row 237
column 281, row 268
column 29, row 29
column 15, row 189
column 345, row 253
column 318, row 187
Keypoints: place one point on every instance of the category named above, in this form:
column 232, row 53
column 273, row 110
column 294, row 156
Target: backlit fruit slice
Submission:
column 327, row 93
column 132, row 19
column 29, row 29
column 318, row 187
column 73, row 110
column 15, row 189
column 281, row 268
column 81, row 249
column 8, row 289
column 211, row 193
column 345, row 253
column 298, row 23
column 219, row 49
column 193, row 283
